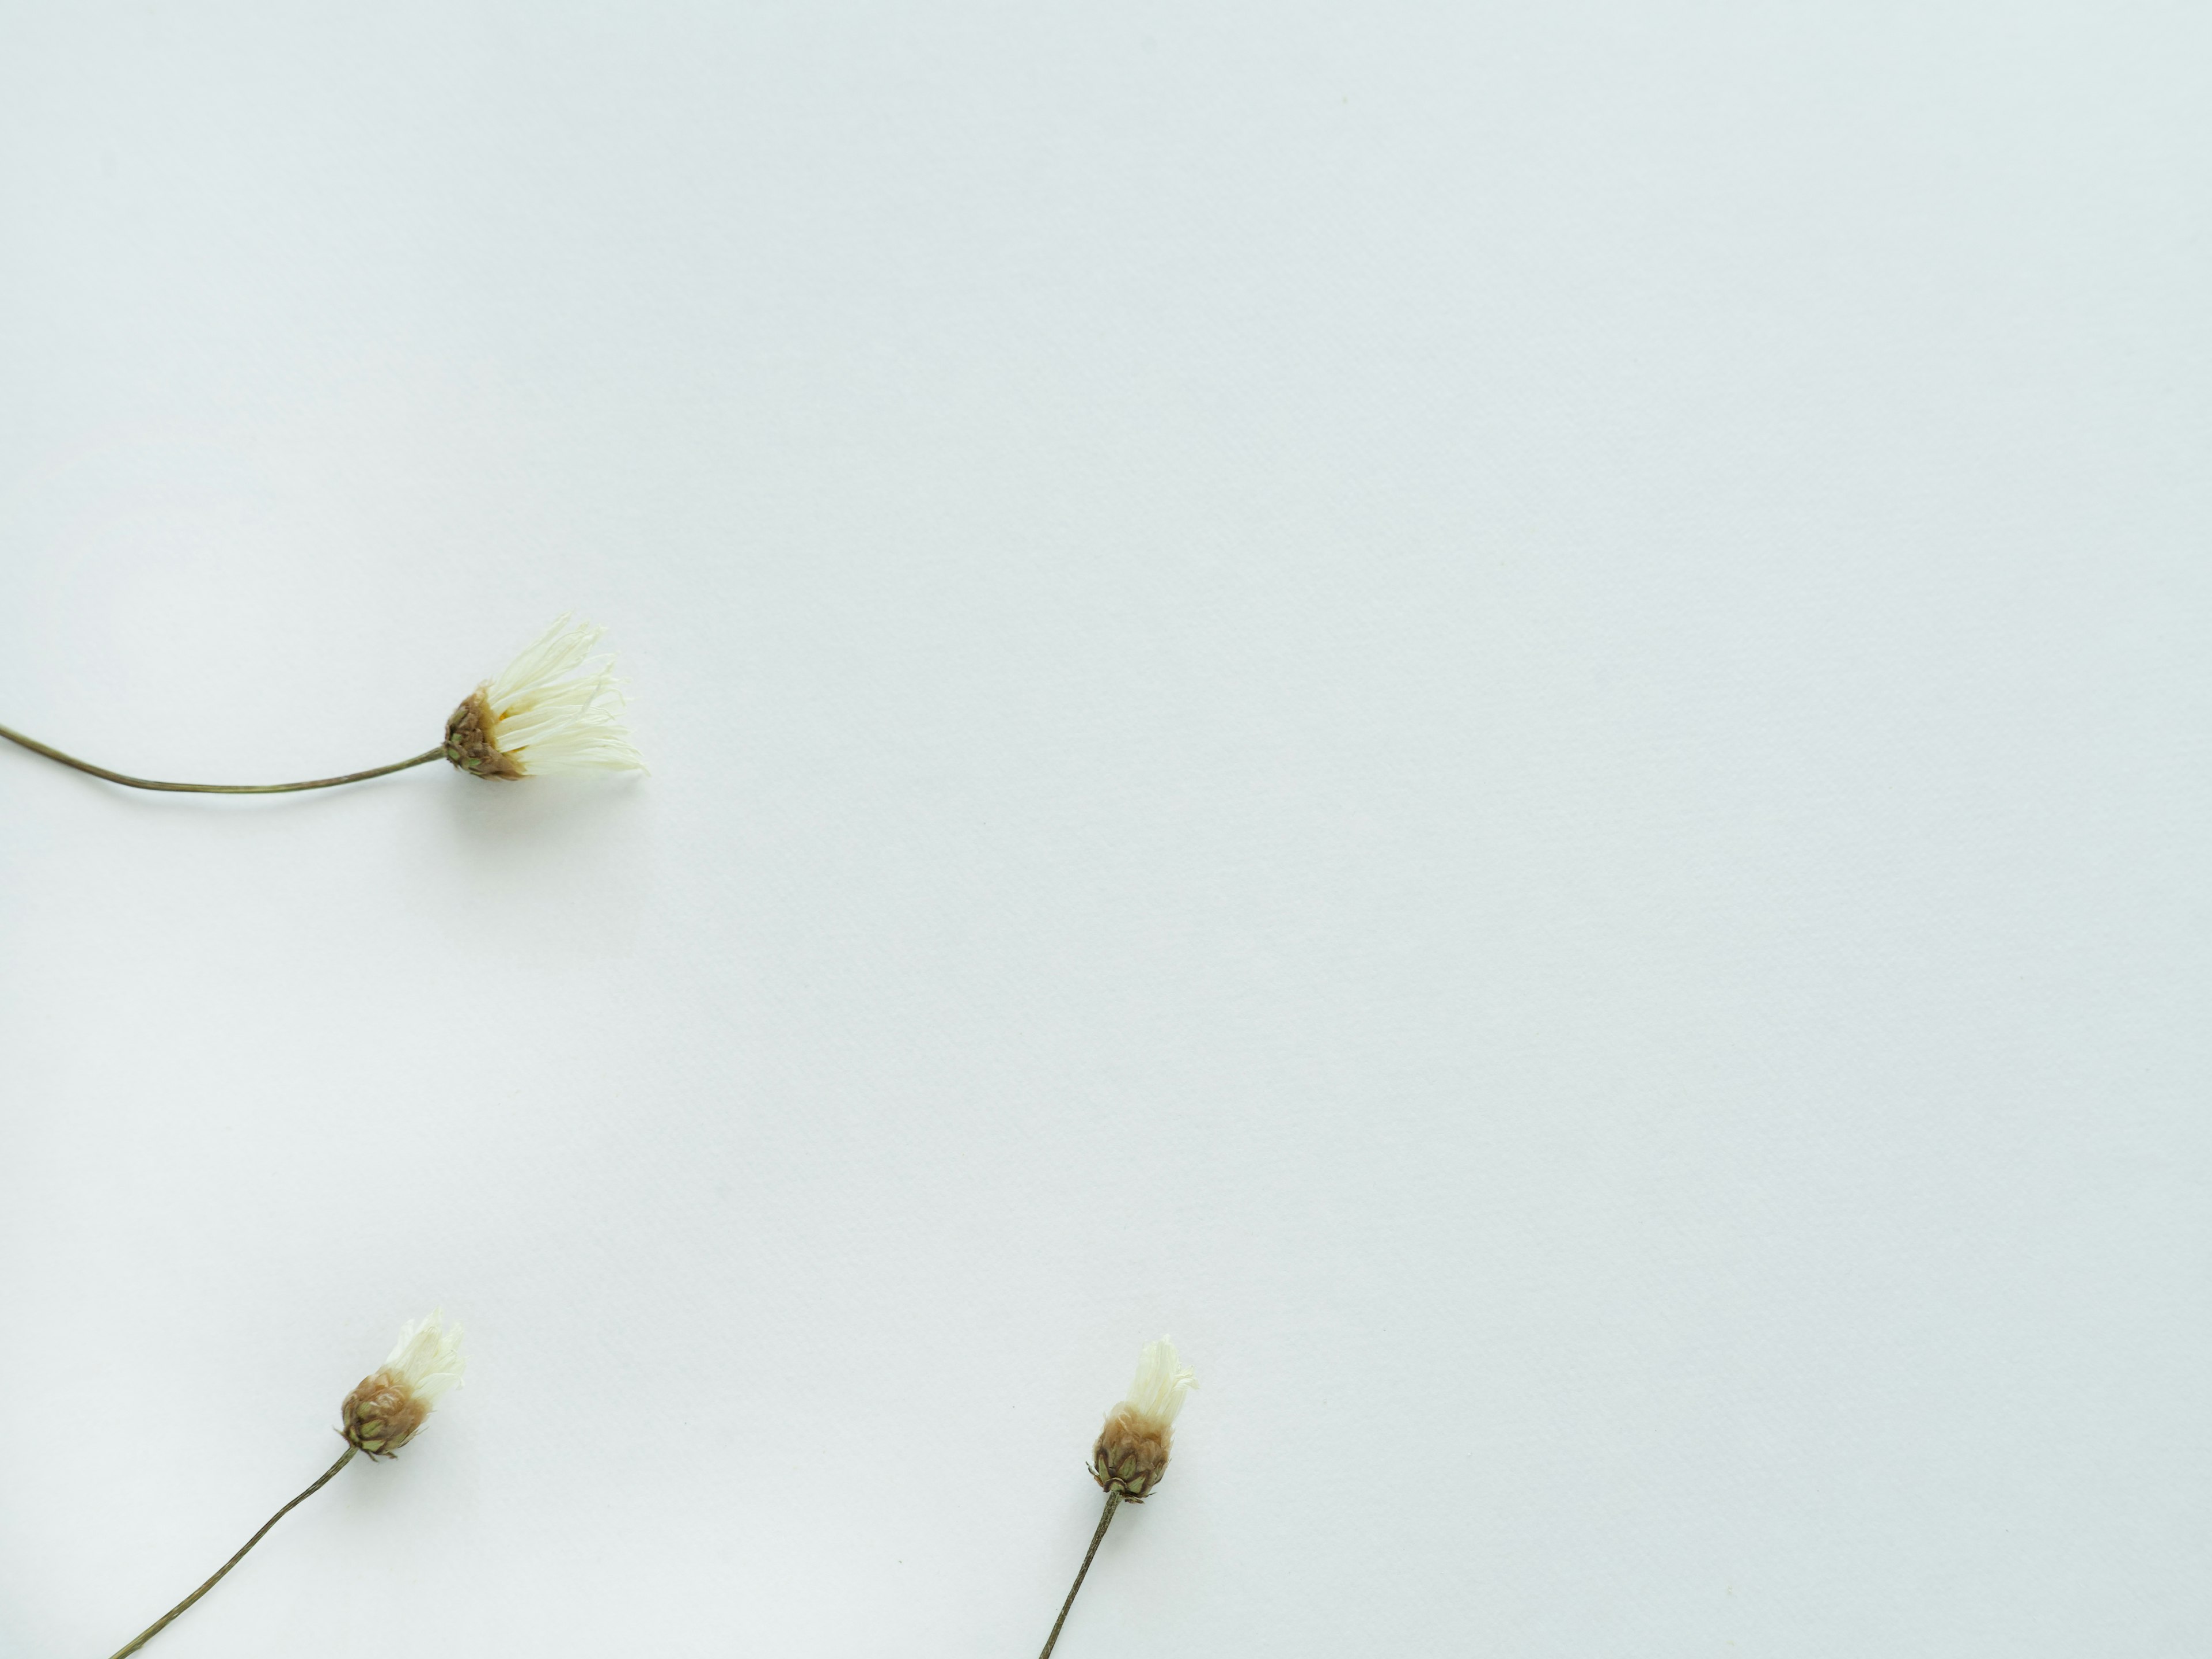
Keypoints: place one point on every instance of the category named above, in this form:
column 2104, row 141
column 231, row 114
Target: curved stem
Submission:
column 126, row 779
column 155, row 1628
column 1112, row 1503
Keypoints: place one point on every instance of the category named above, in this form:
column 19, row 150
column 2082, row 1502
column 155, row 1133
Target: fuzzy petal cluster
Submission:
column 394, row 1401
column 554, row 708
column 1130, row 1455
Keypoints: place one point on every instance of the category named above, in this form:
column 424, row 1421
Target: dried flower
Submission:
column 392, row 1402
column 553, row 709
column 381, row 1416
column 1130, row 1455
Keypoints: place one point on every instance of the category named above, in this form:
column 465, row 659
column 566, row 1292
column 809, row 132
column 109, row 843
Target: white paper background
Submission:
column 1499, row 709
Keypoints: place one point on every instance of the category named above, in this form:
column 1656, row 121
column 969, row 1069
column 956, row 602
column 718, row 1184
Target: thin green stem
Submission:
column 128, row 781
column 155, row 1628
column 1112, row 1503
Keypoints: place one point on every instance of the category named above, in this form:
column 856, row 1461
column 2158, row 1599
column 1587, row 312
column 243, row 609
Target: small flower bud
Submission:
column 391, row 1402
column 1130, row 1455
column 553, row 709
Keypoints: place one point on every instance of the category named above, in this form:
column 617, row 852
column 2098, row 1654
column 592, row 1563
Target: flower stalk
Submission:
column 161, row 1624
column 1112, row 1503
column 130, row 783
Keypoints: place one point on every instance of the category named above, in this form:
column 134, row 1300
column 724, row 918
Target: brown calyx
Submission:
column 1131, row 1455
column 468, row 740
column 382, row 1414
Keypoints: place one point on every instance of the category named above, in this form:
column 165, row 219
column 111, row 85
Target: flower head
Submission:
column 394, row 1400
column 1130, row 1455
column 553, row 709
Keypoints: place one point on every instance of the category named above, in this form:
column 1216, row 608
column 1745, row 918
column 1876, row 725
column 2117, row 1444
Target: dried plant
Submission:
column 1130, row 1457
column 554, row 708
column 382, row 1414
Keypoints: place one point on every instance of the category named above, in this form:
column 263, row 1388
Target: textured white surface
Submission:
column 1499, row 709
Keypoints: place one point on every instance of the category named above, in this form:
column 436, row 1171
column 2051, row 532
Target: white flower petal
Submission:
column 426, row 1359
column 558, row 708
column 1162, row 1382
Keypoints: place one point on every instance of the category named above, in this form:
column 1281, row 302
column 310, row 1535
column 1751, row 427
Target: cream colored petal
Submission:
column 1161, row 1383
column 557, row 708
